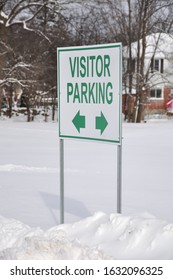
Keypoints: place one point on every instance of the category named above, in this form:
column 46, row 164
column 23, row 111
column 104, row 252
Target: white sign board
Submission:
column 89, row 92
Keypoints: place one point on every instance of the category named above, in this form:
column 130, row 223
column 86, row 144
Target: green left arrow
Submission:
column 79, row 121
column 101, row 123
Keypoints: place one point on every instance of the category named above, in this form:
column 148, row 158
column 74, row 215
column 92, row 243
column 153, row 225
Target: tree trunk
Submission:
column 10, row 101
column 28, row 107
column 0, row 101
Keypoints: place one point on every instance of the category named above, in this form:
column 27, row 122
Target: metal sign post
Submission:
column 119, row 178
column 61, row 164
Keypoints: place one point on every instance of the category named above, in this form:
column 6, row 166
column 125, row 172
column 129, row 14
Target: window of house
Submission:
column 131, row 65
column 157, row 65
column 156, row 93
column 171, row 94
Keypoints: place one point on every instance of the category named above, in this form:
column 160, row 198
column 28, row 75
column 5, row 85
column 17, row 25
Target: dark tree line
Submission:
column 31, row 31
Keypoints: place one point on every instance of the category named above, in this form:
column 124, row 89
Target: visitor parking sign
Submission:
column 89, row 92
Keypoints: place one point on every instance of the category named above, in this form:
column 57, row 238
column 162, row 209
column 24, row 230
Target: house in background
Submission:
column 158, row 71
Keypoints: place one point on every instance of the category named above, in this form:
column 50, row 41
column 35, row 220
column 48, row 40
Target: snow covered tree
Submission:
column 20, row 57
column 14, row 18
column 32, row 30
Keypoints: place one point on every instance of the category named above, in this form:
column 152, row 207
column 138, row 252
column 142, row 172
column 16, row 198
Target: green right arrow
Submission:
column 101, row 123
column 79, row 121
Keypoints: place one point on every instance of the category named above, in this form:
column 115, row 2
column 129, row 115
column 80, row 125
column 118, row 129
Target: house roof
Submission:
column 159, row 43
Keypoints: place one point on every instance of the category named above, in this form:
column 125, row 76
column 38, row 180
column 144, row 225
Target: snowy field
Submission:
column 29, row 194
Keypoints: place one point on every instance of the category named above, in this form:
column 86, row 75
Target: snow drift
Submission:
column 97, row 237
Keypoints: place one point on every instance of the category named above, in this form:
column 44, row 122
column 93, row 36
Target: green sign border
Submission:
column 83, row 48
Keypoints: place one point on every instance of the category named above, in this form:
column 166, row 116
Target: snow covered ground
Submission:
column 29, row 194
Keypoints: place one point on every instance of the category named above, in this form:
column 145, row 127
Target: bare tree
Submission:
column 31, row 30
column 134, row 20
column 49, row 24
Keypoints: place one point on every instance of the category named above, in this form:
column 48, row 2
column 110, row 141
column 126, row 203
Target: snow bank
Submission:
column 97, row 237
column 18, row 241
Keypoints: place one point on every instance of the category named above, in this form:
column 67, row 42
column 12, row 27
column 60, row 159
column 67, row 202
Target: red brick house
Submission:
column 159, row 66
